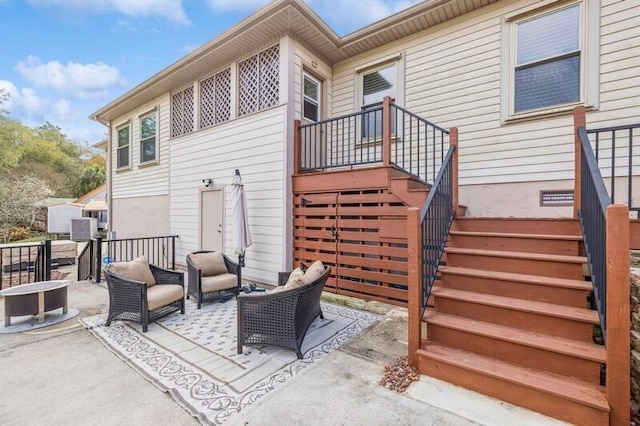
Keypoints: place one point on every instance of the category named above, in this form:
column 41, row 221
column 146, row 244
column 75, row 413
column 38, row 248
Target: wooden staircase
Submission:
column 511, row 318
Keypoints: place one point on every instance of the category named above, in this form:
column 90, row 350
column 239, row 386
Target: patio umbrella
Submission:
column 241, row 232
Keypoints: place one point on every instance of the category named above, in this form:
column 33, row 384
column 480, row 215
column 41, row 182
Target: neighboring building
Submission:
column 92, row 204
column 231, row 104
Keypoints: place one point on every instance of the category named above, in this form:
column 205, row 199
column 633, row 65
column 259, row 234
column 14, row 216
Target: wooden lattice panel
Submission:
column 269, row 77
column 362, row 235
column 182, row 109
column 248, row 86
column 215, row 99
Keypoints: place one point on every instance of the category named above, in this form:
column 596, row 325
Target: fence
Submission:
column 26, row 263
column 159, row 251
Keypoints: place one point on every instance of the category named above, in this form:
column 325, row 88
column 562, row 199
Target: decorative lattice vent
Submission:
column 556, row 198
column 259, row 82
column 182, row 109
column 215, row 99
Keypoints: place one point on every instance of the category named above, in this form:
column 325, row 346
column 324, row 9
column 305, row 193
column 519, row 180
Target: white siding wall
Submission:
column 453, row 78
column 59, row 218
column 148, row 179
column 256, row 146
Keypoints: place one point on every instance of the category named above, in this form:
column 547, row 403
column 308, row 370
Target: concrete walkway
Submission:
column 62, row 375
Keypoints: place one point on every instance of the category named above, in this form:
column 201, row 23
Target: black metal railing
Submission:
column 592, row 212
column 418, row 146
column 87, row 261
column 614, row 153
column 25, row 263
column 346, row 141
column 436, row 217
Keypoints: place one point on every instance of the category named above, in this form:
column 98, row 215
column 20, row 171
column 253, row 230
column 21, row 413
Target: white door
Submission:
column 211, row 219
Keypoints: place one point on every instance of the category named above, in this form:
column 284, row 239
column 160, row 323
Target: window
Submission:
column 122, row 156
column 547, row 67
column 182, row 110
column 376, row 85
column 311, row 98
column 259, row 82
column 148, row 138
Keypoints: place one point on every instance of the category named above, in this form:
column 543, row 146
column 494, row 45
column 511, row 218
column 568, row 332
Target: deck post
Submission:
column 386, row 131
column 453, row 141
column 618, row 313
column 414, row 281
column 296, row 146
column 579, row 120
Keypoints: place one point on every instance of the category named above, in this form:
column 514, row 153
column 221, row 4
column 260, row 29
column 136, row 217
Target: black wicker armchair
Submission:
column 280, row 318
column 211, row 283
column 132, row 300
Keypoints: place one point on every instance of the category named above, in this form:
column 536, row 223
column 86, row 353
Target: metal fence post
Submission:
column 173, row 253
column 98, row 260
column 47, row 260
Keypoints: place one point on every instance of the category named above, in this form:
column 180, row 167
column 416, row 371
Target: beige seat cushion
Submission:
column 295, row 279
column 313, row 273
column 135, row 270
column 209, row 263
column 162, row 295
column 219, row 282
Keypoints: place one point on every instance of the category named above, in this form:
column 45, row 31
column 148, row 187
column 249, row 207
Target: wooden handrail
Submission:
column 386, row 131
column 618, row 313
column 296, row 146
column 414, row 307
column 453, row 140
column 579, row 120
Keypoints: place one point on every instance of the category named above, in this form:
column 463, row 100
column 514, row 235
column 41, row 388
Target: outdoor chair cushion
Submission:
column 161, row 295
column 210, row 264
column 313, row 272
column 134, row 270
column 299, row 278
column 219, row 282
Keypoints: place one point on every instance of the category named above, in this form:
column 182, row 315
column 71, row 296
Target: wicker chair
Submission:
column 131, row 300
column 220, row 286
column 280, row 318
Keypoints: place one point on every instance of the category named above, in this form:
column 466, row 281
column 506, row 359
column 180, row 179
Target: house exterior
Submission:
column 176, row 139
column 92, row 204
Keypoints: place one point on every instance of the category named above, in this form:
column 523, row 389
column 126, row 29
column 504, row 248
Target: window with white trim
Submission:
column 182, row 112
column 124, row 145
column 311, row 96
column 375, row 85
column 148, row 138
column 552, row 59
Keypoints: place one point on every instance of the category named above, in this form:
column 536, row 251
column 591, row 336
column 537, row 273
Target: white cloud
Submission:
column 33, row 110
column 84, row 81
column 170, row 10
column 230, row 5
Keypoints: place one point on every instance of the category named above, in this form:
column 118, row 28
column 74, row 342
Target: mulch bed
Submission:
column 18, row 278
column 399, row 375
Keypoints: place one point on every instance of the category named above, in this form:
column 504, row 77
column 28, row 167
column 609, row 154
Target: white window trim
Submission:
column 117, row 147
column 589, row 59
column 318, row 102
column 156, row 160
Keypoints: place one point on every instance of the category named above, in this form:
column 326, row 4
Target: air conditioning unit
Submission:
column 84, row 228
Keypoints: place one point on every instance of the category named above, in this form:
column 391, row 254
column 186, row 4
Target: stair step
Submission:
column 518, row 235
column 531, row 243
column 559, row 355
column 560, row 291
column 578, row 349
column 548, row 309
column 552, row 265
column 542, row 317
column 548, row 393
column 518, row 225
column 521, row 278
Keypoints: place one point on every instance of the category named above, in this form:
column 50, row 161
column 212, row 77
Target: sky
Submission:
column 62, row 60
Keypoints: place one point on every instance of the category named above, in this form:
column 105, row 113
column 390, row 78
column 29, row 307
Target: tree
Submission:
column 4, row 98
column 92, row 177
column 20, row 198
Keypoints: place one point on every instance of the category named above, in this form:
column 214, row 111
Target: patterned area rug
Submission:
column 194, row 356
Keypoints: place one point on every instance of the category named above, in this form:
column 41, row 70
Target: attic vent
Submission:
column 556, row 198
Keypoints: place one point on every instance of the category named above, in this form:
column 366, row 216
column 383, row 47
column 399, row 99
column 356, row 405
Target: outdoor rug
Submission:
column 194, row 356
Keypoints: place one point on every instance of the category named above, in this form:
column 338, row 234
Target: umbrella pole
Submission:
column 240, row 265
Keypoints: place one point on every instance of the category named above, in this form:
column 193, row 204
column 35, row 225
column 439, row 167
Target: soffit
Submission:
column 268, row 25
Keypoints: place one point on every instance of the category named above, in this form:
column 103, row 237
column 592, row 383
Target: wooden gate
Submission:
column 362, row 235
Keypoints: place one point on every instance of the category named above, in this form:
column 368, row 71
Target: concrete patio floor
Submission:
column 62, row 375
